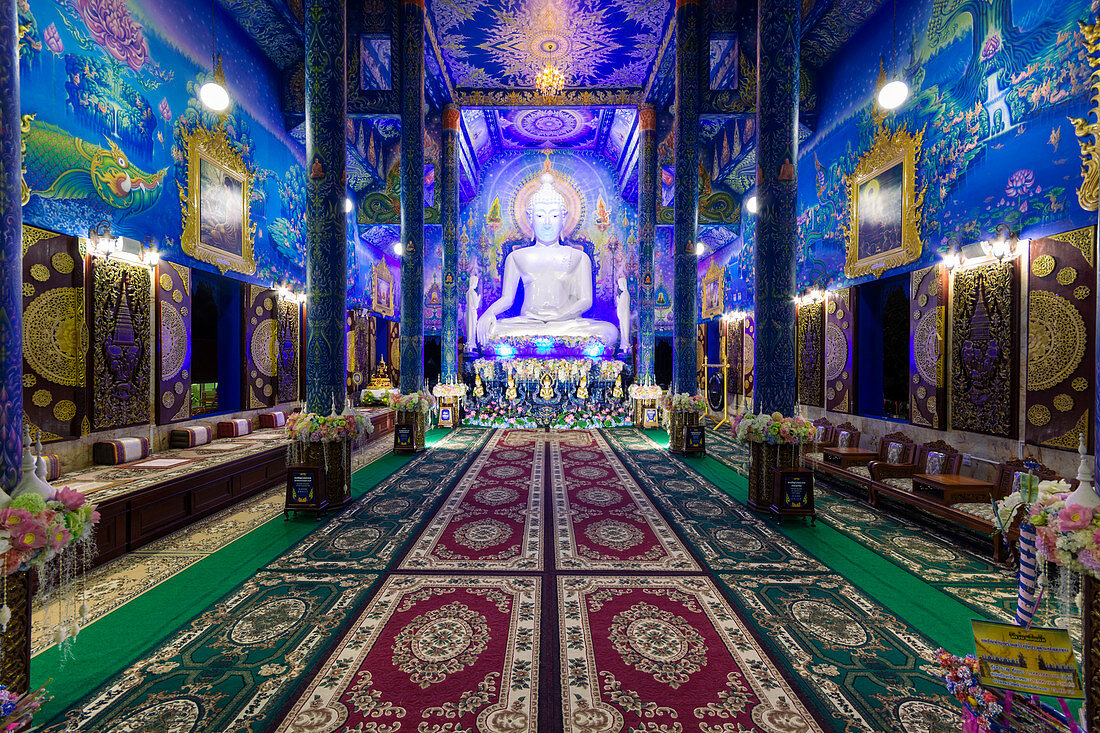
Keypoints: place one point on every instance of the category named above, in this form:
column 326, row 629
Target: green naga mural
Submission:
column 60, row 166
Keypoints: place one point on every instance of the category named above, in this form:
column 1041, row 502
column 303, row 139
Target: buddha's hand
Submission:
column 485, row 324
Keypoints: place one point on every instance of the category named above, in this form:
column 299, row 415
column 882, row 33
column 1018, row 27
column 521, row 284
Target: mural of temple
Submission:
column 549, row 365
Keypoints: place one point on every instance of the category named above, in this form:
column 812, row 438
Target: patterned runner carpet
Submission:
column 571, row 581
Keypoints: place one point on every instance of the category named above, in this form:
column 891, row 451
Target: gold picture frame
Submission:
column 714, row 290
column 382, row 289
column 884, row 227
column 217, row 224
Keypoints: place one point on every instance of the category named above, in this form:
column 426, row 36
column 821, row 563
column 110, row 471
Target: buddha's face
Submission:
column 547, row 218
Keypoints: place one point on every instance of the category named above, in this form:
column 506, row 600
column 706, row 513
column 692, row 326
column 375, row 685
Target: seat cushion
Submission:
column 190, row 437
column 234, row 428
column 53, row 466
column 122, row 450
column 844, row 439
column 905, row 484
column 272, row 419
column 982, row 510
column 861, row 471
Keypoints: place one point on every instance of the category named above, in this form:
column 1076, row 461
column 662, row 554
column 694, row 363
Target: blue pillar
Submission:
column 448, row 214
column 777, row 61
column 647, row 231
column 412, row 195
column 326, row 222
column 686, row 142
column 11, row 253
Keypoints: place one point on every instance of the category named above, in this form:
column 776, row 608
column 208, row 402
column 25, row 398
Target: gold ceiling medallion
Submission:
column 217, row 226
column 884, row 229
column 1088, row 133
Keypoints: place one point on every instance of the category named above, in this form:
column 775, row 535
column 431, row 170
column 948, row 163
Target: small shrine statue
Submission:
column 582, row 388
column 617, row 390
column 479, row 388
column 511, row 392
column 381, row 377
column 546, row 391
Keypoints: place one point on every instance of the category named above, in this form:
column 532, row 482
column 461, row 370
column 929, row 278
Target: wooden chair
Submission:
column 895, row 449
column 823, row 437
column 896, row 479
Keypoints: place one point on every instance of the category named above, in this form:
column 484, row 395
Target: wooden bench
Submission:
column 853, row 468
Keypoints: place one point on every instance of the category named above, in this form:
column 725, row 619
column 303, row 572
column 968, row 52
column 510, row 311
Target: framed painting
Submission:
column 884, row 229
column 382, row 288
column 713, row 290
column 217, row 226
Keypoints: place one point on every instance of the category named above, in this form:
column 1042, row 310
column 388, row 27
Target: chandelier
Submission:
column 550, row 81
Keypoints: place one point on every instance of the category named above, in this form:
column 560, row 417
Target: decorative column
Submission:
column 777, row 61
column 448, row 214
column 412, row 195
column 647, row 232
column 686, row 142
column 11, row 253
column 16, row 654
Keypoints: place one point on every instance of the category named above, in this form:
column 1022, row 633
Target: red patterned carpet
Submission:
column 606, row 625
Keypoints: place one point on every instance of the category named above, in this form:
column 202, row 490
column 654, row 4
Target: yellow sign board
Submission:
column 1034, row 661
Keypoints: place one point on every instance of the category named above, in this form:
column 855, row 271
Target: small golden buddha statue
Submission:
column 511, row 392
column 617, row 390
column 381, row 377
column 479, row 388
column 582, row 388
column 546, row 391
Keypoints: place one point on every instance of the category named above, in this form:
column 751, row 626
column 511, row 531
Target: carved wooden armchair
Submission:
column 895, row 449
column 935, row 457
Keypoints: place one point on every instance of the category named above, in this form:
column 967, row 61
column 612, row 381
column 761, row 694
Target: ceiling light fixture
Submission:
column 894, row 92
column 550, row 81
column 213, row 93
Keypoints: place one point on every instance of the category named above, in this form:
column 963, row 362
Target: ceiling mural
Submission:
column 598, row 43
column 541, row 127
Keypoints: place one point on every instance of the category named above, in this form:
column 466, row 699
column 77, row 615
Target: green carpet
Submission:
column 108, row 645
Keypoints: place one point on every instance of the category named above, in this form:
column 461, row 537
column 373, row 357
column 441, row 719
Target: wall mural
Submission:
column 105, row 145
column 992, row 89
column 840, row 362
column 983, row 350
column 120, row 344
column 927, row 331
column 1060, row 351
column 55, row 345
column 810, row 346
column 603, row 224
column 173, row 358
column 261, row 340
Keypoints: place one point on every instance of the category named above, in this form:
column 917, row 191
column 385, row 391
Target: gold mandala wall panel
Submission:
column 884, row 223
column 927, row 308
column 811, row 354
column 55, row 335
column 173, row 299
column 261, row 342
column 1060, row 340
column 840, row 324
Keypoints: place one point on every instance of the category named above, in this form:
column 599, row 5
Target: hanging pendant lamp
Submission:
column 213, row 93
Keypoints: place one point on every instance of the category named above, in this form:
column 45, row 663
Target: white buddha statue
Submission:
column 557, row 281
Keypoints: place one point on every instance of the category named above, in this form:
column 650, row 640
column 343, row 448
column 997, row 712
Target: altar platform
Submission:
column 541, row 391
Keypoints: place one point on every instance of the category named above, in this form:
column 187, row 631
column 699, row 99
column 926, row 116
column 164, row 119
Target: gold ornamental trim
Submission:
column 215, row 147
column 382, row 295
column 714, row 282
column 888, row 150
column 1088, row 132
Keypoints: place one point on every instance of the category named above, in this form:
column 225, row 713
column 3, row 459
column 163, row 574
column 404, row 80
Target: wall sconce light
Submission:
column 752, row 204
column 953, row 258
column 349, row 205
column 150, row 256
column 1003, row 247
column 398, row 248
column 700, row 249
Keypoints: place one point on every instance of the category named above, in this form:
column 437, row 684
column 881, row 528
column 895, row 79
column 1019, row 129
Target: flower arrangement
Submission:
column 1066, row 534
column 645, row 392
column 34, row 530
column 17, row 710
column 421, row 401
column 684, row 402
column 772, row 429
column 456, row 389
column 493, row 414
column 961, row 677
column 311, row 427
